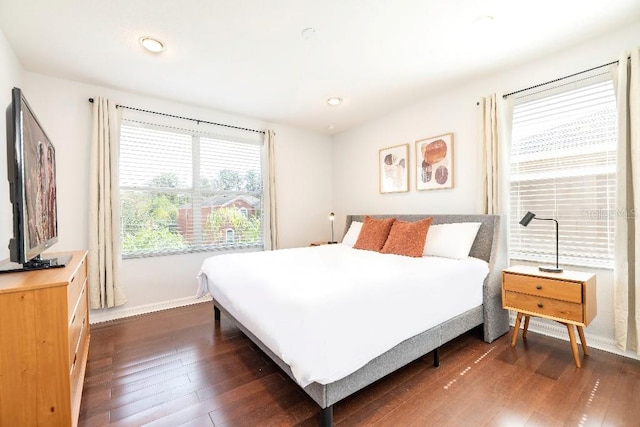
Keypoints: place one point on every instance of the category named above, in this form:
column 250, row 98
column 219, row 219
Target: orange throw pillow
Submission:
column 407, row 238
column 374, row 233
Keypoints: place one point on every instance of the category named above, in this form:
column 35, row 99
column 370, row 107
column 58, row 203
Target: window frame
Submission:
column 529, row 256
column 197, row 193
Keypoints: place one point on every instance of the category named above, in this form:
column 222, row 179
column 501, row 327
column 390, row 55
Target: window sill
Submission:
column 568, row 262
column 212, row 250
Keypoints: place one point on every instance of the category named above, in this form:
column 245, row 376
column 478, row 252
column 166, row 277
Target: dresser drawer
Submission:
column 78, row 324
column 77, row 369
column 563, row 310
column 541, row 287
column 75, row 286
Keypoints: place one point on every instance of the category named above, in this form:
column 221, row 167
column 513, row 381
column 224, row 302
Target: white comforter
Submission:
column 328, row 310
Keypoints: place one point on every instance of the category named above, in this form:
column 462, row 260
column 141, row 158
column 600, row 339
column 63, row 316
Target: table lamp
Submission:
column 332, row 216
column 524, row 222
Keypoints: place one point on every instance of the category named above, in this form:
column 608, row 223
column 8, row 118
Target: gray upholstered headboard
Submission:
column 490, row 245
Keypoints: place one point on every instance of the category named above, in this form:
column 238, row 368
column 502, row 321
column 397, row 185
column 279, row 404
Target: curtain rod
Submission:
column 185, row 118
column 559, row 79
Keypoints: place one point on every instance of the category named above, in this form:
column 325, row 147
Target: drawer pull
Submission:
column 540, row 305
column 73, row 278
column 539, row 287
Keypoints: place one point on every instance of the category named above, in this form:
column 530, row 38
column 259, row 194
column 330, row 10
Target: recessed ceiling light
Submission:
column 334, row 100
column 483, row 21
column 308, row 33
column 152, row 45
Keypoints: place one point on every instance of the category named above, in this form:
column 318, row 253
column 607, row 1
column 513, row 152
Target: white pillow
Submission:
column 451, row 240
column 351, row 237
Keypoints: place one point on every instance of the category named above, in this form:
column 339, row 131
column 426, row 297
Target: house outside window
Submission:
column 185, row 191
column 563, row 164
column 230, row 236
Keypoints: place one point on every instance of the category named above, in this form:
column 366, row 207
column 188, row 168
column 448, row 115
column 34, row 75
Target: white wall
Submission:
column 303, row 179
column 355, row 173
column 303, row 162
column 10, row 76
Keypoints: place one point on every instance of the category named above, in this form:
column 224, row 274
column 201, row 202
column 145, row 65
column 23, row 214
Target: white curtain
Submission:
column 627, row 234
column 494, row 116
column 270, row 211
column 105, row 289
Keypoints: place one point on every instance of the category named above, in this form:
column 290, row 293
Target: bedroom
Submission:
column 329, row 170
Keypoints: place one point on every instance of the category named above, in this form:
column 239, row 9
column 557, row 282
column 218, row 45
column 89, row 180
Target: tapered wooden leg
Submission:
column 526, row 326
column 574, row 345
column 516, row 329
column 585, row 349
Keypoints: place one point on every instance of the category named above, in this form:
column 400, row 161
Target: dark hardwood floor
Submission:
column 177, row 367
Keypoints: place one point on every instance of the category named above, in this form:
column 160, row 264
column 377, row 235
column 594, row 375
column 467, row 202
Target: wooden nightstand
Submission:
column 321, row 243
column 568, row 298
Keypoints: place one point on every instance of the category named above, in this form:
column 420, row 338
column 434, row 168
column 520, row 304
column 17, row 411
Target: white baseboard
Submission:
column 99, row 316
column 556, row 331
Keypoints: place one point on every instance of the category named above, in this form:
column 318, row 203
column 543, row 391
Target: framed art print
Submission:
column 434, row 162
column 393, row 163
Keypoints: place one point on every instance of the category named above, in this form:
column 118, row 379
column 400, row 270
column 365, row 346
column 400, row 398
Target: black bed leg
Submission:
column 436, row 359
column 326, row 416
column 216, row 313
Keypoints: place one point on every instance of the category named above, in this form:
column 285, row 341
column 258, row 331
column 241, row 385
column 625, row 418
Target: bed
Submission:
column 297, row 319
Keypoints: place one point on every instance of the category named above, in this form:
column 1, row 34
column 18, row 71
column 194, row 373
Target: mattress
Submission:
column 328, row 310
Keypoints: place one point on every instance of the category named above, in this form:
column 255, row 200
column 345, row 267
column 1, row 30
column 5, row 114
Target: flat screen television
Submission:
column 31, row 166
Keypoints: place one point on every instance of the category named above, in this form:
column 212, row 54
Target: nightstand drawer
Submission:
column 566, row 311
column 547, row 288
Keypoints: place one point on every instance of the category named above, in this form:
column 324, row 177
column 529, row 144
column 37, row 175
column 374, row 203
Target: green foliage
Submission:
column 247, row 230
column 206, row 183
column 252, row 181
column 232, row 180
column 140, row 209
column 148, row 222
column 149, row 219
column 149, row 239
column 164, row 208
column 229, row 180
column 165, row 180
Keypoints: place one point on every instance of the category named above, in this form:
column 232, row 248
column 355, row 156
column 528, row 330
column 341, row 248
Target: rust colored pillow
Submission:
column 407, row 238
column 374, row 233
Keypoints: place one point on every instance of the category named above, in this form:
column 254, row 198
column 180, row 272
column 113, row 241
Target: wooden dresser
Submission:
column 568, row 298
column 44, row 344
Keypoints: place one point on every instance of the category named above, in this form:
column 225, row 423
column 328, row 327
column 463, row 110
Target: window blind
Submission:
column 183, row 191
column 563, row 164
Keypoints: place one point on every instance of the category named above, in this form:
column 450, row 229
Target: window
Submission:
column 184, row 191
column 231, row 235
column 563, row 164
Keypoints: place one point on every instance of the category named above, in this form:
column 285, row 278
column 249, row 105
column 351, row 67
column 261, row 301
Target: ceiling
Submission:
column 249, row 57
